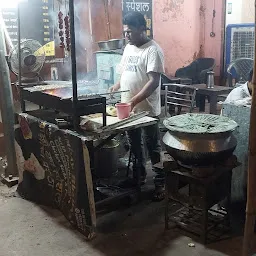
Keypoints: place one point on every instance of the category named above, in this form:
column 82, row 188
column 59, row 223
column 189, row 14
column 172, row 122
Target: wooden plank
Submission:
column 1, row 128
column 131, row 125
column 251, row 180
column 2, row 145
column 115, row 18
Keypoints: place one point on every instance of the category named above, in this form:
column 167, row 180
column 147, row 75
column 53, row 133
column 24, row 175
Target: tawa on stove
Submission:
column 200, row 139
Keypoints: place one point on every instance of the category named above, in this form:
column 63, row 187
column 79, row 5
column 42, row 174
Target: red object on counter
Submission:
column 123, row 110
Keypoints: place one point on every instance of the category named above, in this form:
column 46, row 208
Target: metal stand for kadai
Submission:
column 9, row 172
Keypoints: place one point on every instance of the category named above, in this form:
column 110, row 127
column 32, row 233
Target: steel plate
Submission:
column 200, row 124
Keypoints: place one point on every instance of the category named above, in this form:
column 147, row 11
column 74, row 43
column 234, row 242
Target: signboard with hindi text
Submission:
column 142, row 6
column 54, row 170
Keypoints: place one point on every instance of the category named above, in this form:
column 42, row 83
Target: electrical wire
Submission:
column 212, row 34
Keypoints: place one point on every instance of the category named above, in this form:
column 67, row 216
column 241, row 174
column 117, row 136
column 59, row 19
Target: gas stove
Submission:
column 197, row 190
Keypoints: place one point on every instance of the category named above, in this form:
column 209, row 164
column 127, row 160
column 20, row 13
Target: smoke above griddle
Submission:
column 83, row 39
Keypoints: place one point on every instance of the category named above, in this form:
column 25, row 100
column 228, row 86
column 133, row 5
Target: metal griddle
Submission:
column 59, row 96
column 82, row 93
column 60, row 99
column 66, row 92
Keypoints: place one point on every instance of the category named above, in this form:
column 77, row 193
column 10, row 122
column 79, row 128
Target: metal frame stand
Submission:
column 10, row 175
column 73, row 63
column 197, row 215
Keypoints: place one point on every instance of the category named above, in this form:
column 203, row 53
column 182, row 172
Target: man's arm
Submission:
column 147, row 90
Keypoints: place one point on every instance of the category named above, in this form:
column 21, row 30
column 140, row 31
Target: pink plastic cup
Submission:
column 123, row 110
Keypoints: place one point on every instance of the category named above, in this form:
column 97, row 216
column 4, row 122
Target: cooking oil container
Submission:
column 106, row 159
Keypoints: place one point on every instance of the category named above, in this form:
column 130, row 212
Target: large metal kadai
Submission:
column 200, row 139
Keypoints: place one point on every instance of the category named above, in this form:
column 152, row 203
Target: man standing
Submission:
column 141, row 67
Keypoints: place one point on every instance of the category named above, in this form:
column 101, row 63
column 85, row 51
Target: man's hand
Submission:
column 132, row 105
column 114, row 88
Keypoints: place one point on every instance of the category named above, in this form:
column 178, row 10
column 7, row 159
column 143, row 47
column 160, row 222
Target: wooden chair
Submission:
column 178, row 96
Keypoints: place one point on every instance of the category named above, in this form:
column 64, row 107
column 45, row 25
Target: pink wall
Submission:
column 213, row 46
column 182, row 28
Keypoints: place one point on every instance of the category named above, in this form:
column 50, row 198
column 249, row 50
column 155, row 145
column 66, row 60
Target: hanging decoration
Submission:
column 61, row 33
column 67, row 32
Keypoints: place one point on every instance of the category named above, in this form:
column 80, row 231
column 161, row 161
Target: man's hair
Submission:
column 250, row 76
column 135, row 19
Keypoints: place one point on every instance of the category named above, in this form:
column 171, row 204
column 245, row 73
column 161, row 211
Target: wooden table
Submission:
column 180, row 80
column 213, row 93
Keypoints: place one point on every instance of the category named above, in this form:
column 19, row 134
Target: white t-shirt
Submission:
column 238, row 94
column 135, row 65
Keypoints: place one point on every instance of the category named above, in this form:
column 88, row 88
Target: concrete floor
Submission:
column 28, row 229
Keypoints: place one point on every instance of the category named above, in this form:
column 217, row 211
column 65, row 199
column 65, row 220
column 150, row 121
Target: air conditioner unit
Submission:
column 239, row 42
